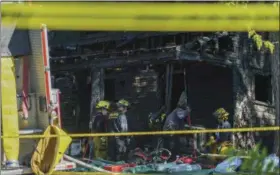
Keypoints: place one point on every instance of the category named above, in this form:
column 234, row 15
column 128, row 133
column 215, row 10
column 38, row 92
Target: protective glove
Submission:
column 122, row 147
column 210, row 142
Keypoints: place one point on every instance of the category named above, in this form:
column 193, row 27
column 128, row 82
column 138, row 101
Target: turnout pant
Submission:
column 112, row 149
column 100, row 147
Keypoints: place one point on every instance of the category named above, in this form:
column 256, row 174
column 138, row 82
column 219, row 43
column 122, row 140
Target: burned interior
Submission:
column 149, row 69
column 124, row 60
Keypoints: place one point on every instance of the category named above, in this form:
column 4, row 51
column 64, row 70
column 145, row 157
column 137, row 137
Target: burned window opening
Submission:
column 263, row 88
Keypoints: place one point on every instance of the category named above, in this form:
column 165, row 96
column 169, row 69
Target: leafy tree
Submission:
column 253, row 161
column 251, row 32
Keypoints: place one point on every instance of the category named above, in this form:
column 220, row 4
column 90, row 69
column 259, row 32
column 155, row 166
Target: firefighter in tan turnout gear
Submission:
column 221, row 141
column 98, row 124
column 121, row 125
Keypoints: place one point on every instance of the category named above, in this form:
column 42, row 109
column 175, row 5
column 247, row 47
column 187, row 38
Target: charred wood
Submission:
column 242, row 82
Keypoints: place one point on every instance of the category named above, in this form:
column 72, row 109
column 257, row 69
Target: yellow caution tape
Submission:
column 88, row 24
column 253, row 129
column 142, row 16
column 143, row 10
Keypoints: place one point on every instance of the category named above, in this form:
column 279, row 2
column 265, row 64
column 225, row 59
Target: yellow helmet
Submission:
column 123, row 102
column 221, row 114
column 103, row 104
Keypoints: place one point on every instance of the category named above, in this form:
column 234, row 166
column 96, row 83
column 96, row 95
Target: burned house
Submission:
column 152, row 69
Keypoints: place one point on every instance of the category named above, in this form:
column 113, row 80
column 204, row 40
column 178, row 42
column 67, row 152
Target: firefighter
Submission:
column 156, row 120
column 176, row 121
column 98, row 124
column 220, row 142
column 121, row 125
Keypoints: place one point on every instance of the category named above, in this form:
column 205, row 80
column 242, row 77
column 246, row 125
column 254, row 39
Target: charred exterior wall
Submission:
column 249, row 110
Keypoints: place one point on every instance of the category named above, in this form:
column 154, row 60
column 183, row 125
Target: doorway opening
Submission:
column 210, row 88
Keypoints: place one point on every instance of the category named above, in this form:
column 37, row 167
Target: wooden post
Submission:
column 168, row 87
column 275, row 66
column 97, row 85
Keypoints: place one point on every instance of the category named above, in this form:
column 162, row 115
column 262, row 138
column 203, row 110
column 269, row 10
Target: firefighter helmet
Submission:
column 123, row 102
column 221, row 114
column 103, row 104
